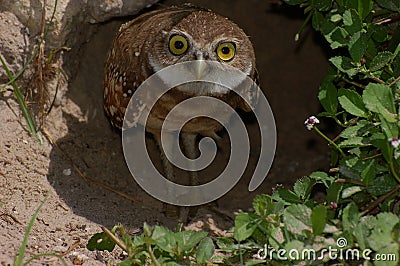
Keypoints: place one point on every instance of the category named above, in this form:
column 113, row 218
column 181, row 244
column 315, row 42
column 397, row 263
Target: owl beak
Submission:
column 200, row 64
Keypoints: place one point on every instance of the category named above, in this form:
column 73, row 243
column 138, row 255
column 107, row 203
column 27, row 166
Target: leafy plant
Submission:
column 291, row 227
column 30, row 120
column 44, row 70
column 156, row 246
column 357, row 218
column 361, row 94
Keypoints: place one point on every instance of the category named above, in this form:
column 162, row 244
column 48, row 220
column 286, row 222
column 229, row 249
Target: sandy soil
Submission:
column 290, row 73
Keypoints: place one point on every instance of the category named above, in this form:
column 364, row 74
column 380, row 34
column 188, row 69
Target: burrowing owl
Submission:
column 165, row 37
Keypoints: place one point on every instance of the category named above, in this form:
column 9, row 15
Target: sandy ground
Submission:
column 290, row 73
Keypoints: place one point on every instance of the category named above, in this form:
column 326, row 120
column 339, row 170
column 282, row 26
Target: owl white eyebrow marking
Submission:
column 179, row 32
column 224, row 39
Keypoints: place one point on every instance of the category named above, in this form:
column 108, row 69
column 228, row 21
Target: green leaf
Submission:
column 391, row 253
column 381, row 235
column 350, row 191
column 380, row 32
column 397, row 50
column 187, row 240
column 337, row 37
column 317, row 20
column 138, row 240
column 351, row 167
column 380, row 60
column 333, row 193
column 362, row 230
column 276, row 237
column 344, row 64
column 380, row 141
column 336, row 17
column 244, row 226
column 318, row 219
column 322, row 5
column 393, row 5
column 225, row 244
column 357, row 45
column 205, row 250
column 322, row 177
column 378, row 98
column 328, row 96
column 352, row 21
column 100, row 241
column 148, row 240
column 372, row 48
column 164, row 238
column 263, row 204
column 352, row 102
column 381, row 185
column 387, row 221
column 286, row 196
column 363, row 7
column 391, row 130
column 294, row 245
column 353, row 142
column 327, row 27
column 360, row 129
column 147, row 229
column 350, row 217
column 369, row 172
column 127, row 239
column 302, row 187
column 297, row 219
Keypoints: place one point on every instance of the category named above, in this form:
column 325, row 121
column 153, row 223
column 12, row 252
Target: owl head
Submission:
column 199, row 34
column 169, row 36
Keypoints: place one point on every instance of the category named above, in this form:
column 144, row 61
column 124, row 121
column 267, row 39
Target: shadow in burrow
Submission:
column 289, row 77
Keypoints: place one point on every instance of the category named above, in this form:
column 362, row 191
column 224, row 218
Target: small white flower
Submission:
column 310, row 122
column 395, row 142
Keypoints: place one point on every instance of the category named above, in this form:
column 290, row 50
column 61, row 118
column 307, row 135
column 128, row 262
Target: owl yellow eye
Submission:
column 177, row 44
column 226, row 51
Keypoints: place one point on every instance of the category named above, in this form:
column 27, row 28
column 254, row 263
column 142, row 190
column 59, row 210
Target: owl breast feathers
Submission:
column 166, row 37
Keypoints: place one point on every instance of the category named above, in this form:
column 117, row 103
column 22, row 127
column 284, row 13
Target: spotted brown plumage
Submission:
column 166, row 37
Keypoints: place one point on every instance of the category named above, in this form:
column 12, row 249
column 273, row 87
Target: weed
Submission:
column 44, row 70
column 21, row 253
